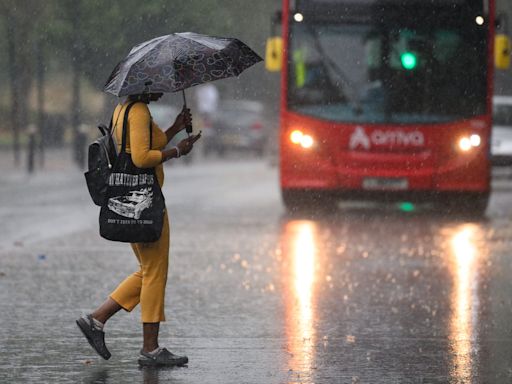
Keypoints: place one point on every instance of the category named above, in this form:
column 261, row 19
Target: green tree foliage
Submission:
column 93, row 35
column 110, row 28
column 20, row 19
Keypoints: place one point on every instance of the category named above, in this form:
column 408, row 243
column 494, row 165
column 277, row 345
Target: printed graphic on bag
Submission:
column 133, row 204
column 127, row 180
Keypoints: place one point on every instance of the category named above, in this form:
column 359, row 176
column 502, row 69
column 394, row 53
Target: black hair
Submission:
column 144, row 97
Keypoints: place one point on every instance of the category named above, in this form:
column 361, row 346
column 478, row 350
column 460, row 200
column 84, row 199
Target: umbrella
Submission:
column 177, row 61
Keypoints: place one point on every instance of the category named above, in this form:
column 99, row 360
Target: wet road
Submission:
column 369, row 294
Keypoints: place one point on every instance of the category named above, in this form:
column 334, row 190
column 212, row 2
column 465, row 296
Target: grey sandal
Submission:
column 95, row 337
column 162, row 358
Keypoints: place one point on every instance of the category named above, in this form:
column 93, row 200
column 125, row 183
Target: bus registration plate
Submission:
column 381, row 183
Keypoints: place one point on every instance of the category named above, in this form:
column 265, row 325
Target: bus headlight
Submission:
column 475, row 140
column 306, row 141
column 467, row 142
column 298, row 137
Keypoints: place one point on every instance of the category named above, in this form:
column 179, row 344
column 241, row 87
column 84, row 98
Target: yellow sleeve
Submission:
column 142, row 155
column 159, row 137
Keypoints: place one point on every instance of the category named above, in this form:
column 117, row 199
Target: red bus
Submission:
column 386, row 98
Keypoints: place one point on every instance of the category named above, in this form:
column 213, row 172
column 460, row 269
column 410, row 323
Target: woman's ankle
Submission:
column 150, row 336
column 99, row 317
column 150, row 348
column 97, row 323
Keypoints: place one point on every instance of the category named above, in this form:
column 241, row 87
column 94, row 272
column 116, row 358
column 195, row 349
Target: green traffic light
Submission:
column 407, row 206
column 409, row 60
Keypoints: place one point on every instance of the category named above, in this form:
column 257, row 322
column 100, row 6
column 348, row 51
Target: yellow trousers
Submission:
column 147, row 285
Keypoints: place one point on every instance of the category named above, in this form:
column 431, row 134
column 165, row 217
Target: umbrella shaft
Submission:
column 184, row 98
column 189, row 127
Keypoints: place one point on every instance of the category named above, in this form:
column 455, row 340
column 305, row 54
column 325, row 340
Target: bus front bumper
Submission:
column 471, row 176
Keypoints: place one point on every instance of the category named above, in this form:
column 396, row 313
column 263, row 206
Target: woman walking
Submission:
column 147, row 285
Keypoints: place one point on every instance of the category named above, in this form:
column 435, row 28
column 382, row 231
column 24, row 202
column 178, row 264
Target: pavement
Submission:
column 367, row 294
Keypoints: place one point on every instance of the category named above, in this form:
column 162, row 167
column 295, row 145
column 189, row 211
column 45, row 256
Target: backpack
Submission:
column 102, row 155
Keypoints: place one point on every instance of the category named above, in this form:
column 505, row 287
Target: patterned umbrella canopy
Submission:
column 181, row 60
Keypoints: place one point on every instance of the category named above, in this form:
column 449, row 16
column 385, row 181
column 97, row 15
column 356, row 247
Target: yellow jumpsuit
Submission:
column 147, row 285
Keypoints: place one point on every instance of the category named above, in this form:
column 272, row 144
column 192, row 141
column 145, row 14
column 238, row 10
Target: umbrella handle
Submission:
column 188, row 128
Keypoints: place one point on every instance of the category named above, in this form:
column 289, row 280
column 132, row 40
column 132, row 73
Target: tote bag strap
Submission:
column 150, row 133
column 125, row 125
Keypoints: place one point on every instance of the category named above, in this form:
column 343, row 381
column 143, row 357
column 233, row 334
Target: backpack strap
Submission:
column 103, row 129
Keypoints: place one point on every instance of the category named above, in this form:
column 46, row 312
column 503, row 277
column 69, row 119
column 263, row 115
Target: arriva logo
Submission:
column 359, row 138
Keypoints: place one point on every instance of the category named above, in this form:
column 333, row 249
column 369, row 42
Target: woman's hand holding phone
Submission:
column 186, row 145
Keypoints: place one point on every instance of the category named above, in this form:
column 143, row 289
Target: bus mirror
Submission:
column 502, row 51
column 274, row 54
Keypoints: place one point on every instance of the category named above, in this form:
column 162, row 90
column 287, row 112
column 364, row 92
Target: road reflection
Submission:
column 120, row 374
column 151, row 375
column 299, row 251
column 468, row 255
column 413, row 281
column 97, row 376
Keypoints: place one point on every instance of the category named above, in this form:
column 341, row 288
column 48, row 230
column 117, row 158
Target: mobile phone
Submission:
column 196, row 137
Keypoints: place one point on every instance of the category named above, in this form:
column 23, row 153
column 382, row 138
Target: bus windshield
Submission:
column 387, row 73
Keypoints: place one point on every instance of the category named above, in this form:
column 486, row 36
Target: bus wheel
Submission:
column 468, row 205
column 297, row 201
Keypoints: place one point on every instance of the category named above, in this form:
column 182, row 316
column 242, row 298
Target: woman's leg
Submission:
column 154, row 259
column 146, row 286
column 125, row 296
column 150, row 334
column 106, row 310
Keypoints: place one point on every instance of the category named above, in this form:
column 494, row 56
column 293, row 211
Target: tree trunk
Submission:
column 76, row 110
column 40, row 62
column 14, row 80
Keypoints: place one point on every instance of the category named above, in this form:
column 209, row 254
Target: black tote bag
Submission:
column 134, row 205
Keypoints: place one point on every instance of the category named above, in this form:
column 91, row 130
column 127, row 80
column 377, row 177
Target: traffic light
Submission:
column 409, row 60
